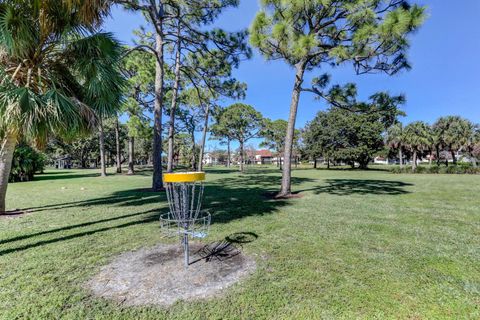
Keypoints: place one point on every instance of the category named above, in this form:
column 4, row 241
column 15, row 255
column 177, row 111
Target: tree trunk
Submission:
column 101, row 136
column 204, row 138
column 229, row 157
column 7, row 149
column 315, row 163
column 363, row 163
column 446, row 161
column 430, row 160
column 194, row 156
column 157, row 183
column 328, row 163
column 437, row 154
column 131, row 156
column 279, row 159
column 454, row 160
column 241, row 156
column 400, row 155
column 414, row 163
column 117, row 143
column 173, row 107
column 287, row 156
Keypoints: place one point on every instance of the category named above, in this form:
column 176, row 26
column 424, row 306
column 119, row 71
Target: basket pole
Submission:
column 186, row 249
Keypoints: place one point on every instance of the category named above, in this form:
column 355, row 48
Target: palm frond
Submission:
column 56, row 75
column 16, row 32
column 96, row 60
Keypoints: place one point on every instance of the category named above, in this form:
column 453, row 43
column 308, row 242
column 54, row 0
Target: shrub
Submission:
column 451, row 169
column 26, row 162
column 462, row 168
column 396, row 170
column 421, row 169
column 434, row 169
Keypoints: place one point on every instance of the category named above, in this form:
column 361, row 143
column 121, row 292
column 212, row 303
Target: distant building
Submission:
column 208, row 159
column 63, row 162
column 263, row 157
column 213, row 159
column 383, row 160
column 278, row 158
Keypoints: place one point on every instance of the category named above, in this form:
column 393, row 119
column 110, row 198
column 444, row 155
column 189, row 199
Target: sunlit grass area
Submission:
column 358, row 244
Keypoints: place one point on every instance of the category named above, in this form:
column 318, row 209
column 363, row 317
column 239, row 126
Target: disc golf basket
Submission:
column 185, row 219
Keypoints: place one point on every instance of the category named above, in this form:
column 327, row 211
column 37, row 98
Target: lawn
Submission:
column 358, row 244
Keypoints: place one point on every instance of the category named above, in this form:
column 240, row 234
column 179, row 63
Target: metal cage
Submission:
column 185, row 218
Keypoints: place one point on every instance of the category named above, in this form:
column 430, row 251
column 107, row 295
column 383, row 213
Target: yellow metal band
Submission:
column 183, row 177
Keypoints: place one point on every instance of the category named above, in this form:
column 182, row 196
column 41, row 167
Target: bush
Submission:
column 26, row 162
column 435, row 169
column 462, row 168
column 420, row 169
column 451, row 170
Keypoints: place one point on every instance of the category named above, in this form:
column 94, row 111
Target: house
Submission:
column 64, row 162
column 278, row 158
column 263, row 157
column 213, row 159
column 383, row 160
column 208, row 159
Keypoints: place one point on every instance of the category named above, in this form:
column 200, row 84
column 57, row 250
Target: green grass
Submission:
column 359, row 244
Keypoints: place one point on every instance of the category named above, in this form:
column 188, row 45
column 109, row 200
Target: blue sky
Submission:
column 444, row 53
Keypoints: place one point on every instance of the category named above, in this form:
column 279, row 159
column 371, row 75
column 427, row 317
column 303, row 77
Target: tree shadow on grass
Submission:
column 134, row 197
column 69, row 227
column 243, row 196
column 371, row 169
column 248, row 171
column 62, row 175
column 227, row 199
column 235, row 197
column 152, row 217
column 345, row 187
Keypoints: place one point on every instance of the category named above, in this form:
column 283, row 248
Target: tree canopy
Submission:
column 240, row 122
column 372, row 35
column 341, row 134
column 57, row 73
column 416, row 137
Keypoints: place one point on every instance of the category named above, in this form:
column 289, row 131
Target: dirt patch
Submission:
column 157, row 276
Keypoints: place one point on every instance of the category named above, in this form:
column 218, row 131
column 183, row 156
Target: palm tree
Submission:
column 460, row 134
column 58, row 75
column 416, row 137
column 395, row 139
column 440, row 128
column 432, row 139
column 453, row 133
column 473, row 143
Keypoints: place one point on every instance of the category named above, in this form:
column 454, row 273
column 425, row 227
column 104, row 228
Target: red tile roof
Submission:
column 263, row 153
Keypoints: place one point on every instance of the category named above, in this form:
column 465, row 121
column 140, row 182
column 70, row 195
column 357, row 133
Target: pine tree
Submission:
column 370, row 34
